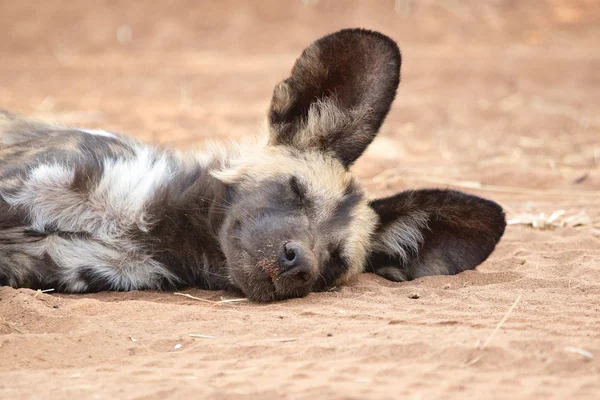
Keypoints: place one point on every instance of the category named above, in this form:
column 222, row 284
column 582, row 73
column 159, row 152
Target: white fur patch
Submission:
column 109, row 261
column 45, row 195
column 127, row 186
column 116, row 205
column 98, row 132
column 325, row 180
column 326, row 117
column 403, row 237
column 117, row 202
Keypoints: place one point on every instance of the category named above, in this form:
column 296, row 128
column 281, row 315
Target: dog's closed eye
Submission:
column 298, row 189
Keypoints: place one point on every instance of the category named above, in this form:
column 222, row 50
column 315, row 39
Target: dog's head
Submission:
column 297, row 221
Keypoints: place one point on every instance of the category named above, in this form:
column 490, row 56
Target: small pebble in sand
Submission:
column 414, row 295
column 447, row 286
column 54, row 306
column 329, row 334
column 177, row 346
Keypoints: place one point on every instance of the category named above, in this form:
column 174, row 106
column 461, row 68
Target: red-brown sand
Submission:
column 500, row 97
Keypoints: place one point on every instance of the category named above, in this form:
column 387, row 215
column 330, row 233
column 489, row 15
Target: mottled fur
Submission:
column 88, row 210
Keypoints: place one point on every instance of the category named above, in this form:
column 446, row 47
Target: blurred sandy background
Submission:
column 498, row 97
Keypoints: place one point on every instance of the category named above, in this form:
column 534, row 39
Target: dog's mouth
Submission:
column 268, row 269
column 265, row 282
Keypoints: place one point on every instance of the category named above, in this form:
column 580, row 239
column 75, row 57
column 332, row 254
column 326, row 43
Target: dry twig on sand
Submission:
column 557, row 219
column 496, row 329
column 189, row 296
column 579, row 351
column 231, row 300
column 197, row 335
column 37, row 292
column 283, row 340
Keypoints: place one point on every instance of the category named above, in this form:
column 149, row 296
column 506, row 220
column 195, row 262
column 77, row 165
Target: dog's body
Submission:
column 87, row 210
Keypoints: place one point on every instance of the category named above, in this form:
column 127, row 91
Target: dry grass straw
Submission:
column 557, row 219
column 37, row 292
column 12, row 327
column 223, row 301
column 581, row 352
column 231, row 301
column 197, row 335
column 491, row 336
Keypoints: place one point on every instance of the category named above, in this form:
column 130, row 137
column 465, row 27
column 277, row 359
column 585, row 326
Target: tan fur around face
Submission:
column 327, row 122
column 326, row 180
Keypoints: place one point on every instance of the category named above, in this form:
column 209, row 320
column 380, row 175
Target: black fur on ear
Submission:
column 433, row 232
column 338, row 95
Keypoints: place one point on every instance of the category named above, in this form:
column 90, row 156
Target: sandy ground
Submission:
column 498, row 97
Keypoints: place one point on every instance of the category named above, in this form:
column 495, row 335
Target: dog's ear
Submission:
column 339, row 92
column 433, row 232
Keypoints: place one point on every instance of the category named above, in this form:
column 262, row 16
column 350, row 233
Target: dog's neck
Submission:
column 188, row 214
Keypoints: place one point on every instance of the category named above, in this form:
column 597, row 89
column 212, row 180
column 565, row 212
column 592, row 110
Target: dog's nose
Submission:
column 294, row 264
column 290, row 257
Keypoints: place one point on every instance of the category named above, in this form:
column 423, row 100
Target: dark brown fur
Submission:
column 462, row 230
column 354, row 69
